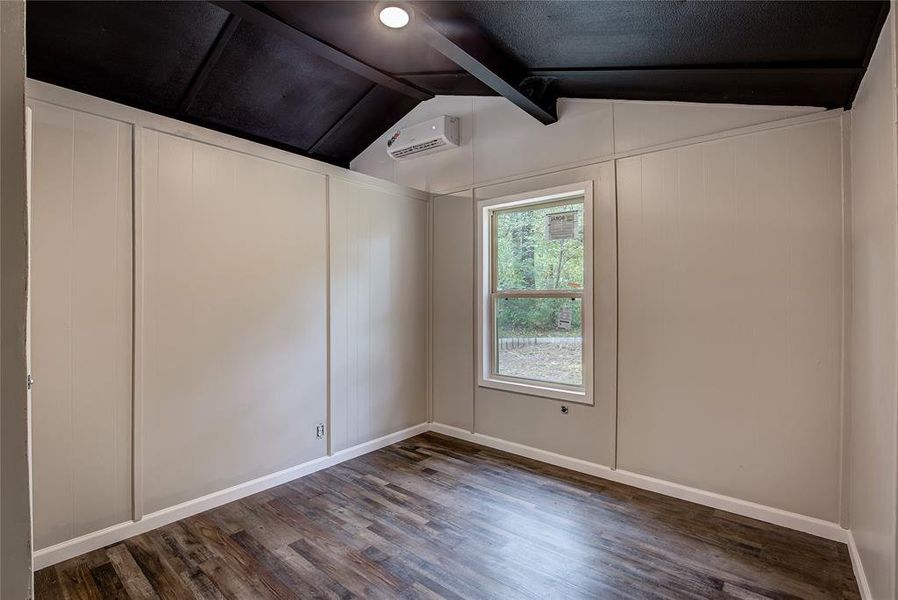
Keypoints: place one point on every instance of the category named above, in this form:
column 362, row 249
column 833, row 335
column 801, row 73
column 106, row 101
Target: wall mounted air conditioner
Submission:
column 428, row 137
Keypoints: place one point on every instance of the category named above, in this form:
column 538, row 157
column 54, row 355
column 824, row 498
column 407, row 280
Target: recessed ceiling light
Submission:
column 394, row 17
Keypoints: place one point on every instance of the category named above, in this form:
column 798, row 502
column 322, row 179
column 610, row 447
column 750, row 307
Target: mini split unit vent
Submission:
column 428, row 137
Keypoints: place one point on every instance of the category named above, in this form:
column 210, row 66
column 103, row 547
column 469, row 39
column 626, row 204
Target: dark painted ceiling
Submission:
column 257, row 79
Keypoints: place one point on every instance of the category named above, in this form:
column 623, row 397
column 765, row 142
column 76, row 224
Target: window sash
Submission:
column 575, row 293
column 576, row 198
column 495, row 295
column 494, row 239
column 494, row 354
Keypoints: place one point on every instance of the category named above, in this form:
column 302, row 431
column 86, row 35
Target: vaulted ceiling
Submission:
column 325, row 79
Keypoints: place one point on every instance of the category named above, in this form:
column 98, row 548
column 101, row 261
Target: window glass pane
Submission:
column 540, row 247
column 540, row 339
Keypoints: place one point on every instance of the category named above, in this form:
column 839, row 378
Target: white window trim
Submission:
column 485, row 378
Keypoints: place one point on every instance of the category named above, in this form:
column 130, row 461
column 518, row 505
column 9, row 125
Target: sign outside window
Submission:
column 564, row 318
column 561, row 226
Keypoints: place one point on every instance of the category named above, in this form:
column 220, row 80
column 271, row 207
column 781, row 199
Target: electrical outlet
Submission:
column 319, row 431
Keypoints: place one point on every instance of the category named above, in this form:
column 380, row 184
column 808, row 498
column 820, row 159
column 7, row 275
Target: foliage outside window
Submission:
column 536, row 292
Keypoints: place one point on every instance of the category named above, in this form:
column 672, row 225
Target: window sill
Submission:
column 540, row 391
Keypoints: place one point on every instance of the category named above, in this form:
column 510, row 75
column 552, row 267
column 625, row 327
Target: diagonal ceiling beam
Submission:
column 493, row 68
column 335, row 55
column 339, row 123
column 202, row 74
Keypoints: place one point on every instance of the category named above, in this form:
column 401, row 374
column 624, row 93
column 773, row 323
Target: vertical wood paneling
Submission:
column 873, row 324
column 730, row 316
column 378, row 312
column 81, row 315
column 231, row 323
column 235, row 318
column 453, row 310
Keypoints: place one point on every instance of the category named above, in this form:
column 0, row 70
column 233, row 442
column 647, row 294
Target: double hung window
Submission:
column 536, row 284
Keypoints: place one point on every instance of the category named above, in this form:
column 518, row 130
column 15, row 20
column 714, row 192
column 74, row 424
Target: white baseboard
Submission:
column 559, row 460
column 116, row 533
column 776, row 516
column 98, row 539
column 858, row 567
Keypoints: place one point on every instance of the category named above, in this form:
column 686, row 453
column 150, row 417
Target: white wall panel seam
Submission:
column 72, row 329
column 116, row 445
column 327, row 244
column 845, row 368
column 137, row 339
column 614, row 441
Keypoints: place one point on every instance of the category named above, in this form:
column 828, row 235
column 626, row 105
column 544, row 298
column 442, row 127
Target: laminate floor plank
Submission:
column 108, row 583
column 434, row 517
column 135, row 582
column 46, row 584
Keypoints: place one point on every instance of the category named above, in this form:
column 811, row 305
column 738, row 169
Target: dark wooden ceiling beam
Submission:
column 493, row 68
column 202, row 74
column 339, row 123
column 335, row 55
column 868, row 54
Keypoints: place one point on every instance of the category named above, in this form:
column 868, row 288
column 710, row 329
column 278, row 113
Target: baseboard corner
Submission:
column 858, row 567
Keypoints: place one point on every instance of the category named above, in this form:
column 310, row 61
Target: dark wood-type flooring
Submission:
column 434, row 517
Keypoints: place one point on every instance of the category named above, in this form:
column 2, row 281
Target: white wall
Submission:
column 378, row 312
column 81, row 322
column 453, row 310
column 730, row 317
column 730, row 267
column 15, row 498
column 873, row 326
column 241, row 281
column 234, row 328
column 499, row 141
